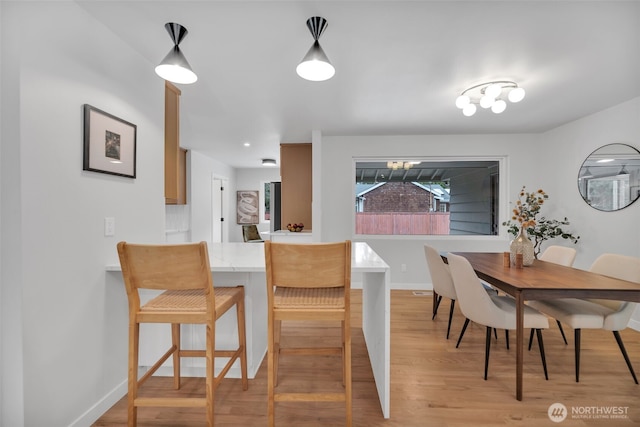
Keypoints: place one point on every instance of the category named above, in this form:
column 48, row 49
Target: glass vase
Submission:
column 522, row 245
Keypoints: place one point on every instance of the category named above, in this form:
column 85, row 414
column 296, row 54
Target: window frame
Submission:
column 503, row 198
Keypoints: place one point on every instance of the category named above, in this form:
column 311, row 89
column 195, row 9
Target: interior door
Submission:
column 217, row 212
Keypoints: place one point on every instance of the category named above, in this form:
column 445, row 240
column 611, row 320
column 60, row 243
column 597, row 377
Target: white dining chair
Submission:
column 441, row 281
column 481, row 308
column 561, row 255
column 609, row 315
column 443, row 286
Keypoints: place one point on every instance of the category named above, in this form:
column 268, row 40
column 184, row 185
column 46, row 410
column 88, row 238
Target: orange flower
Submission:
column 528, row 206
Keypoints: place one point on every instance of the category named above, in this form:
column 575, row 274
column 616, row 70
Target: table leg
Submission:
column 519, row 343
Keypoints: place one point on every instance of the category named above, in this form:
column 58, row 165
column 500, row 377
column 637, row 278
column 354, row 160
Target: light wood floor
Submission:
column 432, row 382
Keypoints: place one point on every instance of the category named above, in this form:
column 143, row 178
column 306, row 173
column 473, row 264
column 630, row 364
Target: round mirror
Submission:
column 609, row 179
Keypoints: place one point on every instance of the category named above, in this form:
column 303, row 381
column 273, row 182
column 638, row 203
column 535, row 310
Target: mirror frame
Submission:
column 603, row 153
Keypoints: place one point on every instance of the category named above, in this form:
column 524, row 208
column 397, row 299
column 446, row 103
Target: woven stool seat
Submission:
column 317, row 298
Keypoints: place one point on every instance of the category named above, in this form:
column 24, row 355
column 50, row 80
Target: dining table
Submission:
column 544, row 280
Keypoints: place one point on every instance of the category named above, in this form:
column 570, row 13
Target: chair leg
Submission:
column 577, row 351
column 506, row 336
column 437, row 304
column 276, row 350
column 270, row 372
column 562, row 332
column 175, row 340
column 625, row 355
column 453, row 303
column 464, row 328
column 495, row 332
column 134, row 337
column 242, row 341
column 530, row 339
column 544, row 360
column 344, row 347
column 209, row 363
column 486, row 352
column 347, row 369
column 434, row 306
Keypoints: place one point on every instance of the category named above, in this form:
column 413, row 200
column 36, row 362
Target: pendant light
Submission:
column 315, row 65
column 174, row 67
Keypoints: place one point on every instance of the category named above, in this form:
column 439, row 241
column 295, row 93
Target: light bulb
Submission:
column 493, row 90
column 487, row 101
column 462, row 101
column 469, row 110
column 516, row 95
column 499, row 106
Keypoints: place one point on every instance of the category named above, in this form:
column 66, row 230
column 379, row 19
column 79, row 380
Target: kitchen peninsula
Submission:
column 243, row 264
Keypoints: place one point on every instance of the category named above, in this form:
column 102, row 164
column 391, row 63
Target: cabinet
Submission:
column 175, row 157
column 296, row 187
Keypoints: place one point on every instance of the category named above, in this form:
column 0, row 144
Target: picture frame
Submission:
column 247, row 207
column 109, row 143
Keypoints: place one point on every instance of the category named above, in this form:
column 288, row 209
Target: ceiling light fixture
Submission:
column 315, row 65
column 489, row 95
column 269, row 162
column 174, row 67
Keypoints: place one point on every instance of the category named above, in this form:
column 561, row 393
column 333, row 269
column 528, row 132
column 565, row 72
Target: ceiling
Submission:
column 399, row 66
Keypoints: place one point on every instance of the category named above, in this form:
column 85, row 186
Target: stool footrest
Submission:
column 311, row 350
column 309, row 397
column 181, row 402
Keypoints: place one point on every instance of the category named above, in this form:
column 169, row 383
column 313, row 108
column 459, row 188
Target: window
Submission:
column 609, row 193
column 427, row 197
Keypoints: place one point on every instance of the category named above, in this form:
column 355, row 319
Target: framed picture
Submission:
column 109, row 143
column 247, row 208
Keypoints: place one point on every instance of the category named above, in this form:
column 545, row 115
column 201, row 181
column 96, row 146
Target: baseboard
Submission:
column 102, row 406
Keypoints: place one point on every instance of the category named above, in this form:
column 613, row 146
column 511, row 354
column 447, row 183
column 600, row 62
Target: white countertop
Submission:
column 249, row 257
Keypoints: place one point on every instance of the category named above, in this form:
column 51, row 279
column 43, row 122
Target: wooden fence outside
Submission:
column 399, row 223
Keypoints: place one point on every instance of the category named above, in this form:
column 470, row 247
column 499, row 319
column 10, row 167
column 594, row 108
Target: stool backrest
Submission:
column 165, row 267
column 314, row 265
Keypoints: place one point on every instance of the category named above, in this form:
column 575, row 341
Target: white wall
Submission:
column 72, row 317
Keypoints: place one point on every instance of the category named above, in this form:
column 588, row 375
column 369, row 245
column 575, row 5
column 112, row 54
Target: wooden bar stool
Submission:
column 183, row 273
column 308, row 282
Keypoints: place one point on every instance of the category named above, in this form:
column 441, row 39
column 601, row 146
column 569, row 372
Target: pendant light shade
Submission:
column 315, row 65
column 174, row 67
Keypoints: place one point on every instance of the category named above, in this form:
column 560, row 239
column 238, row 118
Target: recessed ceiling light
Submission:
column 247, row 144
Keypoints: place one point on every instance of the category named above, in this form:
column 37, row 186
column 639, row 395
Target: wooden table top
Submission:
column 548, row 280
